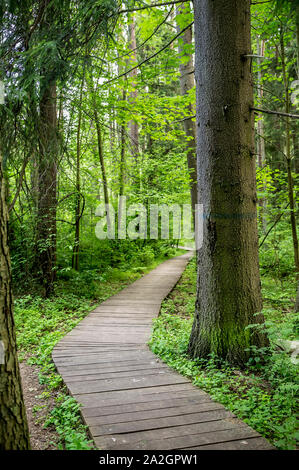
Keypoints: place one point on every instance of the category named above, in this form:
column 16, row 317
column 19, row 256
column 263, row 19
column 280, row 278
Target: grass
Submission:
column 41, row 323
column 264, row 395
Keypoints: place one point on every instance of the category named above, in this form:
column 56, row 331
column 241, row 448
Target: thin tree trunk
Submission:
column 288, row 154
column 260, row 130
column 101, row 158
column 187, row 83
column 297, row 37
column 76, row 249
column 47, row 185
column 297, row 300
column 228, row 290
column 133, row 125
column 122, row 153
column 112, row 131
column 14, row 434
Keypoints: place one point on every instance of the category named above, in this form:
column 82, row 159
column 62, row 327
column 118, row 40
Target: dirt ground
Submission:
column 41, row 438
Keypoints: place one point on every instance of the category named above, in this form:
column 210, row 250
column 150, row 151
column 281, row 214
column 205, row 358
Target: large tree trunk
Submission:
column 14, row 433
column 186, row 84
column 47, row 181
column 228, row 291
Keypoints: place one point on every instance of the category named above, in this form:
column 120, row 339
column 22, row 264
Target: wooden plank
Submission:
column 112, row 370
column 125, row 383
column 88, row 344
column 158, row 423
column 217, row 436
column 126, row 329
column 145, row 406
column 136, row 309
column 103, row 357
column 116, row 441
column 115, row 374
column 254, row 443
column 152, row 414
column 117, row 320
column 122, row 316
column 118, row 301
column 107, row 366
column 135, row 396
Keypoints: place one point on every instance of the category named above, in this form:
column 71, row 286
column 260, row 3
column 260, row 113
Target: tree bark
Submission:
column 228, row 290
column 186, row 84
column 14, row 434
column 47, row 182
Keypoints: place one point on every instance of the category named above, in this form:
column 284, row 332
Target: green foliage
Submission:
column 40, row 324
column 67, row 421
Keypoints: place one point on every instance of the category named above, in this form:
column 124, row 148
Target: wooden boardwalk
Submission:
column 131, row 399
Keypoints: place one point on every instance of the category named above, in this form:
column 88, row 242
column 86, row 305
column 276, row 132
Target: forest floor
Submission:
column 37, row 409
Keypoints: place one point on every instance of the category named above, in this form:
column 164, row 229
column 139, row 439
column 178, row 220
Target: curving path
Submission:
column 130, row 399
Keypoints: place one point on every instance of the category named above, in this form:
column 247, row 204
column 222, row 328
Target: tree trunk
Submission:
column 288, row 154
column 297, row 300
column 14, row 434
column 133, row 125
column 101, row 157
column 297, row 37
column 186, row 84
column 47, row 182
column 260, row 132
column 76, row 249
column 122, row 153
column 228, row 290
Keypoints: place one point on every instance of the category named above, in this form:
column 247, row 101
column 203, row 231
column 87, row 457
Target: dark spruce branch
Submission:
column 151, row 56
column 278, row 113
